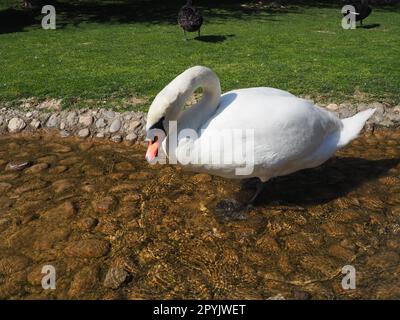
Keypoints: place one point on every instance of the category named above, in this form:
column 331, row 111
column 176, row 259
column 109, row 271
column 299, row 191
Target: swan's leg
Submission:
column 259, row 188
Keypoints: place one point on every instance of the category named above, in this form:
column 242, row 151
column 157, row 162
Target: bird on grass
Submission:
column 190, row 19
column 362, row 10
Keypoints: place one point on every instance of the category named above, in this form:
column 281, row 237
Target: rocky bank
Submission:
column 129, row 125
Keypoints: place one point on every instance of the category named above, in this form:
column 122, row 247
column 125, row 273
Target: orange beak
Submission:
column 152, row 150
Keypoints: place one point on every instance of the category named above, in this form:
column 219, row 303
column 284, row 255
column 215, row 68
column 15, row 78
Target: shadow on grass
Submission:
column 371, row 26
column 12, row 20
column 214, row 38
column 75, row 12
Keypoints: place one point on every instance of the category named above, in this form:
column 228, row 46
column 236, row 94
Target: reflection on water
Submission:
column 115, row 227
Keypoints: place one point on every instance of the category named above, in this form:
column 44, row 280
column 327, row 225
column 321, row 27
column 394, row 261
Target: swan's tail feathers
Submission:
column 352, row 126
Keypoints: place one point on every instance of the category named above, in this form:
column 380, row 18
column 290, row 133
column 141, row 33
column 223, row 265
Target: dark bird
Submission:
column 363, row 10
column 190, row 18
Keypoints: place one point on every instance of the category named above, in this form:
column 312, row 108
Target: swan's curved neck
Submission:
column 183, row 86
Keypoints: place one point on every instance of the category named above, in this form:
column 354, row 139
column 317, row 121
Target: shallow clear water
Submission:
column 98, row 206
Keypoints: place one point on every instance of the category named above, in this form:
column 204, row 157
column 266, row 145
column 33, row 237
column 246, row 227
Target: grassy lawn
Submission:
column 99, row 58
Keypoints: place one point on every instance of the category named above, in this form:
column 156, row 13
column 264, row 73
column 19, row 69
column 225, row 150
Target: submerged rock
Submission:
column 89, row 248
column 104, row 205
column 37, row 168
column 18, row 165
column 115, row 277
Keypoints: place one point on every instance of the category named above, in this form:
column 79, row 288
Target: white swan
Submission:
column 290, row 133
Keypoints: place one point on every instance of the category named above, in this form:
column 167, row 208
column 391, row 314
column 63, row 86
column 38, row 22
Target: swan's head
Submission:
column 164, row 108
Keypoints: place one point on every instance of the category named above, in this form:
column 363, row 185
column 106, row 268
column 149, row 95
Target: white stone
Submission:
column 131, row 137
column 28, row 114
column 133, row 125
column 86, row 120
column 72, row 118
column 393, row 114
column 100, row 135
column 332, row 106
column 53, row 121
column 101, row 123
column 115, row 125
column 83, row 133
column 16, row 125
column 35, row 123
column 64, row 134
column 116, row 138
column 108, row 114
column 62, row 126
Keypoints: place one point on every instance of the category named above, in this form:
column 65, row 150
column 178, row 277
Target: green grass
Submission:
column 305, row 51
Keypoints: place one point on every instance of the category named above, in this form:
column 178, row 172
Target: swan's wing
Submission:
column 286, row 130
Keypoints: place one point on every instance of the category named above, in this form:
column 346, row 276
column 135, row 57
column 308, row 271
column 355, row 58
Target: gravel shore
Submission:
column 129, row 125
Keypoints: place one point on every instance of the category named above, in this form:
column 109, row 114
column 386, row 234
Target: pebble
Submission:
column 4, row 223
column 124, row 166
column 86, row 119
column 332, row 106
column 133, row 125
column 201, row 178
column 104, row 205
column 84, row 133
column 18, row 165
column 72, row 118
column 37, row 168
column 16, row 125
column 58, row 169
column 116, row 138
column 131, row 137
column 87, row 223
column 89, row 248
column 84, row 281
column 101, row 123
column 115, row 125
column 4, row 187
column 108, row 114
column 53, row 121
column 35, row 123
column 62, row 185
column 64, row 134
column 12, row 264
column 65, row 210
column 30, row 186
column 84, row 146
column 115, row 277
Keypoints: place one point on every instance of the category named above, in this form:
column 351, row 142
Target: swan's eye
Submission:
column 158, row 125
